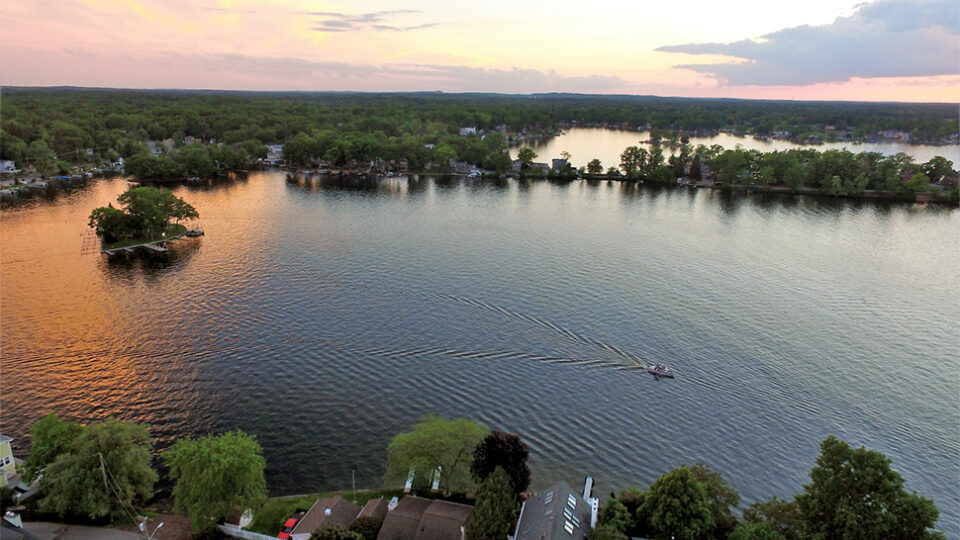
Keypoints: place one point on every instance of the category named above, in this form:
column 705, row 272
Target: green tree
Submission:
column 755, row 531
column 367, row 527
column 334, row 532
column 495, row 508
column 721, row 498
column 633, row 160
column 606, row 531
column 615, row 513
column 783, row 515
column 855, row 494
column 677, row 506
column 937, row 168
column 214, row 475
column 505, row 450
column 49, row 437
column 435, row 442
column 594, row 167
column 146, row 212
column 75, row 483
column 526, row 155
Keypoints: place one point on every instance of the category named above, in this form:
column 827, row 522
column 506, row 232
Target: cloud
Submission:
column 330, row 21
column 238, row 71
column 887, row 38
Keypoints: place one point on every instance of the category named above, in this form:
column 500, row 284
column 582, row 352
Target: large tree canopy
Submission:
column 435, row 442
column 677, row 506
column 104, row 474
column 50, row 437
column 214, row 475
column 145, row 212
column 855, row 494
column 506, row 450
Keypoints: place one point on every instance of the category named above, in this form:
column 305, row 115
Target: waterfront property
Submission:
column 8, row 465
column 558, row 513
column 326, row 512
column 415, row 518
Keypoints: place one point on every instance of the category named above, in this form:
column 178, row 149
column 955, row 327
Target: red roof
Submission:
column 290, row 522
column 283, row 536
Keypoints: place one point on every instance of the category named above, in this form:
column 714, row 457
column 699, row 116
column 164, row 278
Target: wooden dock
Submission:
column 153, row 245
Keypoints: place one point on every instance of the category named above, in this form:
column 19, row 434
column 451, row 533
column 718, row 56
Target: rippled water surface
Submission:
column 327, row 316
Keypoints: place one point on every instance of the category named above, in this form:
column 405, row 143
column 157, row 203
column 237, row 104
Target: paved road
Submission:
column 62, row 531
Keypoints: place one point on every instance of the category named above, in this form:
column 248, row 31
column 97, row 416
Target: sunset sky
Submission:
column 816, row 49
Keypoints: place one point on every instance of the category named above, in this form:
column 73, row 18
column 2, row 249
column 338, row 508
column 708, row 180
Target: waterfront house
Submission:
column 415, row 518
column 558, row 164
column 375, row 508
column 558, row 512
column 8, row 466
column 464, row 131
column 7, row 166
column 327, row 511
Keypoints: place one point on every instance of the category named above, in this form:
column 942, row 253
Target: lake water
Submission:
column 327, row 316
column 606, row 145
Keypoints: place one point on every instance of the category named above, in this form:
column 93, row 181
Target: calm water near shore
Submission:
column 327, row 316
column 606, row 145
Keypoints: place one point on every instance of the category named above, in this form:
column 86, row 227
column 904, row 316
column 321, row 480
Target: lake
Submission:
column 325, row 316
column 606, row 145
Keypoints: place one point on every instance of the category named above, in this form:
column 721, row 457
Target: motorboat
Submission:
column 660, row 370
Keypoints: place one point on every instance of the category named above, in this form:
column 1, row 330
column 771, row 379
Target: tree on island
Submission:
column 855, row 494
column 145, row 212
column 214, row 475
column 105, row 472
column 495, row 508
column 594, row 167
column 506, row 451
column 435, row 443
column 526, row 155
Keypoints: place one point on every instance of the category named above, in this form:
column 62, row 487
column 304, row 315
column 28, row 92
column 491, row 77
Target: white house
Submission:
column 7, row 166
column 464, row 131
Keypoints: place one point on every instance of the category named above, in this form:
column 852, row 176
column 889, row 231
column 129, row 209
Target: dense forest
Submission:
column 166, row 134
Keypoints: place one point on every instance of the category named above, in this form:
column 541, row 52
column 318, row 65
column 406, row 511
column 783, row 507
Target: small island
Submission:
column 143, row 220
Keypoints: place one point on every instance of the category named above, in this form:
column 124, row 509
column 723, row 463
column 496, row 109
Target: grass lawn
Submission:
column 269, row 518
column 171, row 231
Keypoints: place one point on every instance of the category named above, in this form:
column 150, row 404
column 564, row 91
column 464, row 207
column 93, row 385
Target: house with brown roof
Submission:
column 375, row 508
column 424, row 519
column 328, row 511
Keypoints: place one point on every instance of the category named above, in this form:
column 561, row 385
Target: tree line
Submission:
column 102, row 471
column 832, row 172
column 51, row 128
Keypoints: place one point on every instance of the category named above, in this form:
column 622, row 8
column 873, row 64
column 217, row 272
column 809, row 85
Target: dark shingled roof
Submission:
column 443, row 521
column 375, row 508
column 342, row 513
column 403, row 522
column 423, row 519
column 554, row 514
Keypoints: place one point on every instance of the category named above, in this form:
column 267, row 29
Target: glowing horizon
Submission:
column 822, row 50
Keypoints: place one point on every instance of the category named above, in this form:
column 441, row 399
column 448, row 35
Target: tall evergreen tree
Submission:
column 495, row 508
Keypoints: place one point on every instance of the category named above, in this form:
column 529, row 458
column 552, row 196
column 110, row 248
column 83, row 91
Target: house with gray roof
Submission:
column 557, row 513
